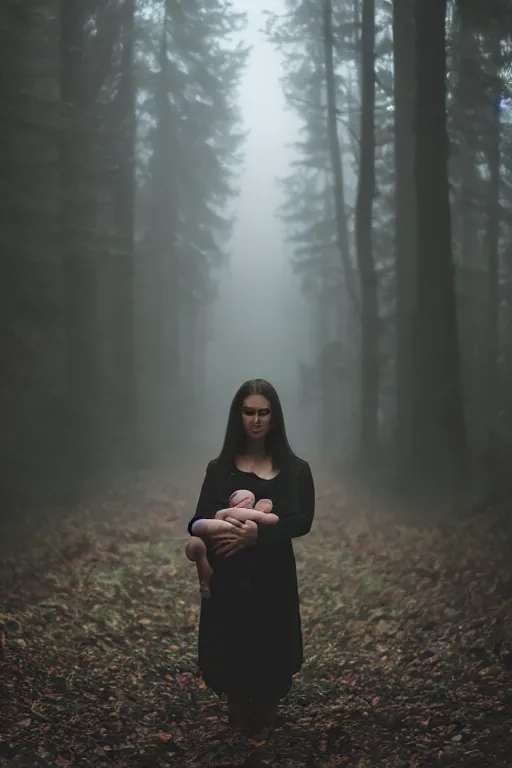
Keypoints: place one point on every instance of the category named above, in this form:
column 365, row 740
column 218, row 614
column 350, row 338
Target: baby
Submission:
column 241, row 507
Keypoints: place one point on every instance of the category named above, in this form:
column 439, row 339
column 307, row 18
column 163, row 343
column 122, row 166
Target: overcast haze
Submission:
column 260, row 324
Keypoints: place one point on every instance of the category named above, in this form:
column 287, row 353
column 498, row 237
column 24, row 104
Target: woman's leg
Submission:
column 196, row 552
column 239, row 711
column 264, row 713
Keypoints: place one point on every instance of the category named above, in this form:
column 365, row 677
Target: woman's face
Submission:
column 256, row 416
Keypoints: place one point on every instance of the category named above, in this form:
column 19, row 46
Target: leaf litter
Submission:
column 407, row 632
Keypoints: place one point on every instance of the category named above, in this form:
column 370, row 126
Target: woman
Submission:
column 250, row 639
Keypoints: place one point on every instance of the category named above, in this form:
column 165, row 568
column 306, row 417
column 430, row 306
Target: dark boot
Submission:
column 239, row 712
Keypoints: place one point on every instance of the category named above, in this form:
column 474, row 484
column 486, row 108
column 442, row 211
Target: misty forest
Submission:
column 199, row 192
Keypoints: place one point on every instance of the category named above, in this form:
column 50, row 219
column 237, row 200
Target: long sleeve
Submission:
column 208, row 504
column 295, row 509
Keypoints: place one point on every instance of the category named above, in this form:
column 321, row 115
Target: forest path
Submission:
column 406, row 636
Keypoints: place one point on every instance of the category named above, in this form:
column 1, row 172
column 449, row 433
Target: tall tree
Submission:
column 468, row 127
column 191, row 154
column 317, row 209
column 492, row 239
column 370, row 363
column 405, row 218
column 438, row 417
column 122, row 384
column 84, row 128
column 161, row 362
column 78, row 231
column 30, row 322
column 336, row 157
column 323, row 83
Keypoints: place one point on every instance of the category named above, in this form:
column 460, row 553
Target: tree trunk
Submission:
column 162, row 318
column 405, row 210
column 439, row 429
column 492, row 247
column 15, row 29
column 369, row 404
column 336, row 157
column 122, row 320
column 78, row 225
column 468, row 129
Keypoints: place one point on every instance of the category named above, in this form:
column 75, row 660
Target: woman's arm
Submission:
column 238, row 513
column 204, row 527
column 208, row 502
column 295, row 510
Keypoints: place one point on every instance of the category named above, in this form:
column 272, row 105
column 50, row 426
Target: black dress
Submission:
column 250, row 638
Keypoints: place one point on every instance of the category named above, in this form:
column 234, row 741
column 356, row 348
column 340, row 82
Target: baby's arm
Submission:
column 238, row 513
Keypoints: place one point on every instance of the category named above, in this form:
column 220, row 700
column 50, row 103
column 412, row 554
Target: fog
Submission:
column 261, row 323
column 116, row 163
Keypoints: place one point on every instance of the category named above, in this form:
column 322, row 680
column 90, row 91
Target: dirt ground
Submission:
column 407, row 636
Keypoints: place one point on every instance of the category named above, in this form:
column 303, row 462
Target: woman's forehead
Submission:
column 257, row 402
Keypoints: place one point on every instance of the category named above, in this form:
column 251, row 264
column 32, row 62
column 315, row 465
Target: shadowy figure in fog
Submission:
column 250, row 639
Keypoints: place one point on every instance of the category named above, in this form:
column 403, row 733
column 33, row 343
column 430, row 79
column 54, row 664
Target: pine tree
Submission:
column 192, row 149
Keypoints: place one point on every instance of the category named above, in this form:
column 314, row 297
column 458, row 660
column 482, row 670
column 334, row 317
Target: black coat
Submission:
column 250, row 637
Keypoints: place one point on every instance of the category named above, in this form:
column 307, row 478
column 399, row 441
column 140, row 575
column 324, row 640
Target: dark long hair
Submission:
column 276, row 441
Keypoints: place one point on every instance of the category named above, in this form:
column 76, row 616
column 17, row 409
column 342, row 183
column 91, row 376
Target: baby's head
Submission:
column 243, row 499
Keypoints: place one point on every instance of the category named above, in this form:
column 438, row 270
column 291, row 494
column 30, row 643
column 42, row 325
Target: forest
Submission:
column 403, row 181
column 121, row 145
column 121, row 151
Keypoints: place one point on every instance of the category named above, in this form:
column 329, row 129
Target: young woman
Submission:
column 250, row 639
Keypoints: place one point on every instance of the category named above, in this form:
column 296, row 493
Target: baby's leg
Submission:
column 196, row 552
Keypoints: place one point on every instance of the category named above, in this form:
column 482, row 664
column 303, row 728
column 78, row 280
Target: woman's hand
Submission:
column 241, row 536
